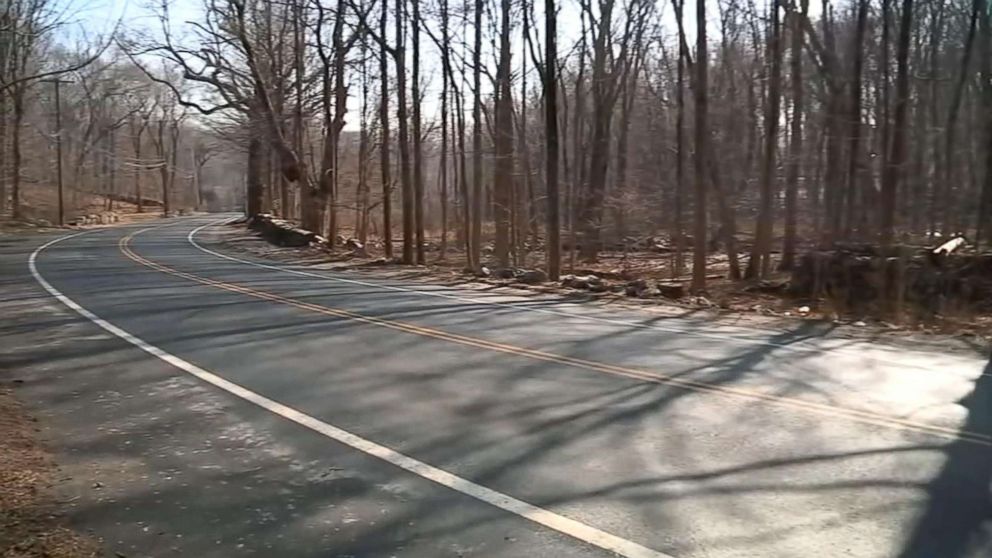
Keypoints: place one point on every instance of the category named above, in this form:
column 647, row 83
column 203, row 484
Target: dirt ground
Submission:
column 726, row 301
column 39, row 213
column 30, row 521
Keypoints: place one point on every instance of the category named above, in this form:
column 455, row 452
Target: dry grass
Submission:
column 29, row 522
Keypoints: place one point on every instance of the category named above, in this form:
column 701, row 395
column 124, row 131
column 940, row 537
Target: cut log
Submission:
column 281, row 232
column 950, row 246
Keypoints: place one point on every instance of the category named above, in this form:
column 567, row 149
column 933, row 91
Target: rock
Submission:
column 531, row 276
column 585, row 282
column 636, row 287
column 803, row 310
column 769, row 287
column 503, row 273
column 672, row 290
column 356, row 247
column 596, row 285
column 43, row 222
column 650, row 292
column 483, row 272
column 702, row 301
column 859, row 323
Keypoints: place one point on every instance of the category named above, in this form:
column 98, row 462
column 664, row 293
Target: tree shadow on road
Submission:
column 957, row 522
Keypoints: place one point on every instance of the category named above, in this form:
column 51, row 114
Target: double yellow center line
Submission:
column 633, row 373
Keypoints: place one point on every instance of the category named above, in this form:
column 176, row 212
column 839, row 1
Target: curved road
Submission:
column 210, row 404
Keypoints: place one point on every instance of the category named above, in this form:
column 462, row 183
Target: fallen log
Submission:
column 280, row 231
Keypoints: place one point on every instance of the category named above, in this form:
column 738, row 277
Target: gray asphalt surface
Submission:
column 781, row 444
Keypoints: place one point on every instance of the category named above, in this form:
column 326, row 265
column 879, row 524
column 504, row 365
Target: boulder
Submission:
column 671, row 289
column 768, row 287
column 650, row 292
column 356, row 247
column 585, row 282
column 636, row 287
column 531, row 276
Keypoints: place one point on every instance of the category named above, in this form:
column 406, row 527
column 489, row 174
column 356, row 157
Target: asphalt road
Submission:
column 205, row 404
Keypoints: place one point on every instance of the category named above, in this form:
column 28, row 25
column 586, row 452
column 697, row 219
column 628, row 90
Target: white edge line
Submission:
column 728, row 337
column 541, row 516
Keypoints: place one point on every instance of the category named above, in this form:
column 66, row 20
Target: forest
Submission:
column 725, row 140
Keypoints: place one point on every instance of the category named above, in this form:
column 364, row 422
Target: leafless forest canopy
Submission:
column 478, row 131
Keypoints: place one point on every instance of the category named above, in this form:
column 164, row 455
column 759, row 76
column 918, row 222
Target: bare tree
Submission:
column 553, row 226
column 795, row 160
column 701, row 143
column 760, row 261
column 894, row 168
column 503, row 179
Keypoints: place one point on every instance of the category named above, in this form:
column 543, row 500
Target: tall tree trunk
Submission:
column 503, row 179
column 852, row 220
column 553, row 225
column 406, row 185
column 462, row 166
column 833, row 194
column 137, row 170
column 524, row 207
column 982, row 229
column 387, row 190
column 463, row 170
column 337, row 124
column 795, row 140
column 623, row 147
column 591, row 210
column 951, row 177
column 760, row 261
column 254, row 188
column 678, row 220
column 476, row 253
column 893, row 170
column 443, row 164
column 15, row 152
column 443, row 169
column 163, row 169
column 418, row 149
column 701, row 141
column 578, row 182
column 362, row 193
column 174, row 160
column 112, row 170
column 299, row 16
column 3, row 145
